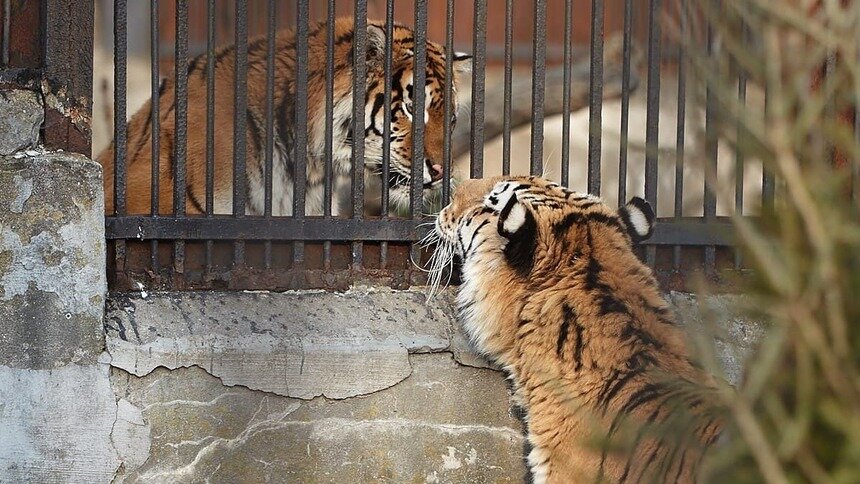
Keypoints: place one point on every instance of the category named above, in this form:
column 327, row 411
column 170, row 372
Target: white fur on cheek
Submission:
column 516, row 218
column 638, row 220
column 499, row 196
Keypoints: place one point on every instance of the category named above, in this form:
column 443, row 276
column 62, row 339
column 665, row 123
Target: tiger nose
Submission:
column 434, row 170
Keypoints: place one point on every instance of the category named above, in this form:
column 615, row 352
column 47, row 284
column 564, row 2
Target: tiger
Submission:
column 139, row 128
column 553, row 292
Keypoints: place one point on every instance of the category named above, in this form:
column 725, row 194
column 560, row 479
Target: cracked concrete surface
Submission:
column 300, row 345
column 463, row 433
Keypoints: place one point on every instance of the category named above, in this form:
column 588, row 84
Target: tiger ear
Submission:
column 638, row 216
column 516, row 223
column 375, row 44
column 462, row 62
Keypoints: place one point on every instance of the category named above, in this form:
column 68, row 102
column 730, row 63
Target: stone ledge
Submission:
column 294, row 344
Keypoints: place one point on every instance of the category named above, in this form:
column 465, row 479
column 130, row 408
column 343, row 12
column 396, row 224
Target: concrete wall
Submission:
column 57, row 408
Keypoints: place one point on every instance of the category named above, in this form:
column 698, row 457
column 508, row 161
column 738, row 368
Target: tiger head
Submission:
column 402, row 110
column 524, row 228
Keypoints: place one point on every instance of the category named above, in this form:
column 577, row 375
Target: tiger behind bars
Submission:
column 139, row 145
column 553, row 292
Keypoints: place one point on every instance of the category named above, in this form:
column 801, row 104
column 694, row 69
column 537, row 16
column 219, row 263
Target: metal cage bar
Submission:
column 595, row 99
column 359, row 83
column 262, row 232
column 652, row 123
column 538, row 87
column 479, row 63
column 240, row 109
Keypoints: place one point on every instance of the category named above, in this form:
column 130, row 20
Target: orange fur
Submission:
column 553, row 292
column 139, row 146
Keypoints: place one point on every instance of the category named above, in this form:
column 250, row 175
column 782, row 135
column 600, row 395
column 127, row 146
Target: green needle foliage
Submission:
column 796, row 416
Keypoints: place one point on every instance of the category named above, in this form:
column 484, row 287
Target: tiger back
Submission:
column 140, row 130
column 553, row 292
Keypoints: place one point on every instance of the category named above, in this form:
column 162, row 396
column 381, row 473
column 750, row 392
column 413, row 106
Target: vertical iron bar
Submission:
column 419, row 73
column 565, row 122
column 448, row 101
column 329, row 127
column 626, row 53
column 595, row 102
column 155, row 102
column 210, row 122
column 270, row 123
column 359, row 81
column 479, row 63
column 739, row 156
column 180, row 149
column 386, row 124
column 506, row 126
column 120, row 35
column 680, row 131
column 711, row 150
column 300, row 177
column 7, row 14
column 386, row 121
column 240, row 112
column 538, row 87
column 652, row 122
column 181, row 110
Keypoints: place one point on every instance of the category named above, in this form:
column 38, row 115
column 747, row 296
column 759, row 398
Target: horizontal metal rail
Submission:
column 687, row 231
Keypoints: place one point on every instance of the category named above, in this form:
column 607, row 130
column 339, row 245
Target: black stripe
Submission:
column 377, row 105
column 196, row 63
column 609, row 305
column 145, row 136
column 194, row 201
column 631, row 332
column 474, row 236
column 639, row 436
column 564, row 328
column 255, row 131
column 614, row 387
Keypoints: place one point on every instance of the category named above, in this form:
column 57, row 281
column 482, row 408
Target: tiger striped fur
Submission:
column 140, row 130
column 553, row 292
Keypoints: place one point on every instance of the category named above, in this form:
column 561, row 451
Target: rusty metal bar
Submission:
column 565, row 122
column 479, row 63
column 538, row 87
column 155, row 101
column 359, row 85
column 595, row 100
column 652, row 122
column 680, row 131
column 240, row 116
column 506, row 126
column 448, row 100
column 626, row 52
column 301, row 135
column 210, row 122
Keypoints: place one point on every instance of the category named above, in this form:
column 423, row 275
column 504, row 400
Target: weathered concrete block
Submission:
column 445, row 423
column 299, row 345
column 21, row 117
column 55, row 425
column 52, row 261
column 57, row 410
column 722, row 321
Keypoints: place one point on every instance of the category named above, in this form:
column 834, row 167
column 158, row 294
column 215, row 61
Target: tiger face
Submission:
column 403, row 111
